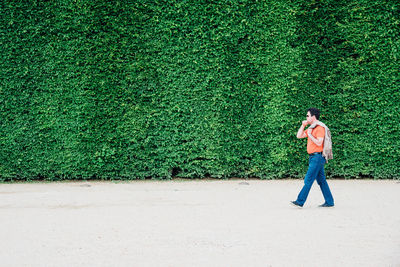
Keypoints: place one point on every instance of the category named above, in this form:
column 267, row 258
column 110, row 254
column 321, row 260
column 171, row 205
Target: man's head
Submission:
column 312, row 115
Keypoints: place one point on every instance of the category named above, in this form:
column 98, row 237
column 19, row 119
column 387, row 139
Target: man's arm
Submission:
column 300, row 132
column 318, row 141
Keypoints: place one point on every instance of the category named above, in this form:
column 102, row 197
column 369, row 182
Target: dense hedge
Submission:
column 161, row 89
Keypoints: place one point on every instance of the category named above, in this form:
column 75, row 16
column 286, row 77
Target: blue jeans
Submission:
column 315, row 171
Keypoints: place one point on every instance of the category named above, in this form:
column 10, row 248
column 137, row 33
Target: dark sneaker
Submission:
column 325, row 206
column 295, row 203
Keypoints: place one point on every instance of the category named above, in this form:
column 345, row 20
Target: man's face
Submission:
column 310, row 119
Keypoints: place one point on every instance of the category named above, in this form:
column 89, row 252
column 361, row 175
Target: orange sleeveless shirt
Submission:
column 318, row 131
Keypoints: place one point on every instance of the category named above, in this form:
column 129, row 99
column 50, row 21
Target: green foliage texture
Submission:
column 159, row 89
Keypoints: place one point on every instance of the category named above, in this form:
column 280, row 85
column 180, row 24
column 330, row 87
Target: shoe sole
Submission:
column 300, row 207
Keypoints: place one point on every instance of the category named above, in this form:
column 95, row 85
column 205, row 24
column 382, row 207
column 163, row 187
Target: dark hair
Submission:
column 314, row 112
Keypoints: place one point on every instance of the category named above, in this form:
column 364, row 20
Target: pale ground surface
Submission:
column 199, row 223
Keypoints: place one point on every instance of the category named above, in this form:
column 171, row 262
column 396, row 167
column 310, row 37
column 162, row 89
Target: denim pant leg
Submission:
column 314, row 167
column 321, row 180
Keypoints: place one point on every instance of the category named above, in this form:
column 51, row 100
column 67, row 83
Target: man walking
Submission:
column 319, row 148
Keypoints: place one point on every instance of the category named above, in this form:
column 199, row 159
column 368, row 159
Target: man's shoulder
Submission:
column 320, row 130
column 320, row 125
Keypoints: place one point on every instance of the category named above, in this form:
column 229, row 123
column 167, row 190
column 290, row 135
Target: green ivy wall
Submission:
column 161, row 89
